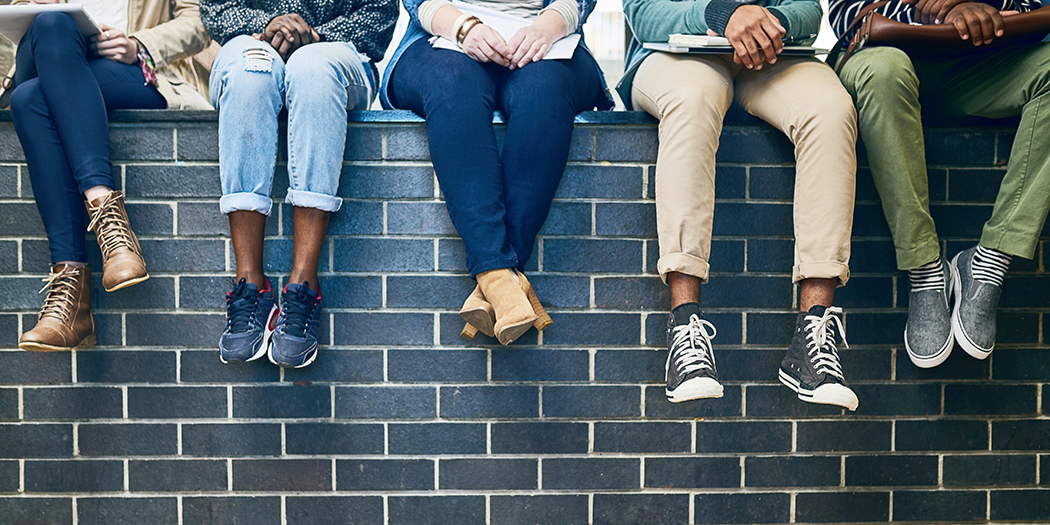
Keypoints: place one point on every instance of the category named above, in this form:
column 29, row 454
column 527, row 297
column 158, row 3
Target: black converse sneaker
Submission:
column 690, row 363
column 811, row 367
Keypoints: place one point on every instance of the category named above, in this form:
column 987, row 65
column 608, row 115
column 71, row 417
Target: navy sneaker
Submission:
column 811, row 367
column 690, row 366
column 294, row 343
column 250, row 319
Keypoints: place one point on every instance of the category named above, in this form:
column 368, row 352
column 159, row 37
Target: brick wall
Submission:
column 400, row 421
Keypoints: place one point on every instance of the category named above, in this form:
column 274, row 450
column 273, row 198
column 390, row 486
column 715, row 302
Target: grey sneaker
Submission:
column 690, row 363
column 811, row 367
column 928, row 334
column 973, row 319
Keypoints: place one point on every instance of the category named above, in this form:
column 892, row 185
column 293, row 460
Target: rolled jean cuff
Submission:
column 492, row 264
column 245, row 201
column 821, row 270
column 683, row 263
column 1011, row 243
column 309, row 199
column 96, row 180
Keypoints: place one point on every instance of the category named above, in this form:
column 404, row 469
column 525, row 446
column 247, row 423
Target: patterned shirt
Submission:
column 842, row 12
column 368, row 24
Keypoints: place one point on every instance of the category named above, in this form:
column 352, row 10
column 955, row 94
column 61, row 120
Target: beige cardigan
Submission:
column 172, row 32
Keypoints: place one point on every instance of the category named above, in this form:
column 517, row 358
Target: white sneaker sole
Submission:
column 826, row 394
column 695, row 388
column 930, row 361
column 957, row 328
column 264, row 347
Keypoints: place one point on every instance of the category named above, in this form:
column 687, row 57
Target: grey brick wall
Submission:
column 400, row 421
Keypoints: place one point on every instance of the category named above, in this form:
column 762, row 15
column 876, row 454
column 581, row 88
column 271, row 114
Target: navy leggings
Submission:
column 497, row 202
column 59, row 104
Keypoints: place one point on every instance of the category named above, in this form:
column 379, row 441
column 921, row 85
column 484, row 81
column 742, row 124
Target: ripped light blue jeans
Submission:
column 250, row 84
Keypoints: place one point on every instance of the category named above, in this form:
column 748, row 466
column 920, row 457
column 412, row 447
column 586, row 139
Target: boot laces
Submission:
column 820, row 340
column 61, row 289
column 109, row 224
column 691, row 344
column 241, row 306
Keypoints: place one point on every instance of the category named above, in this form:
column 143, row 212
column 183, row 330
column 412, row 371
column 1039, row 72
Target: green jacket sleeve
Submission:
column 655, row 20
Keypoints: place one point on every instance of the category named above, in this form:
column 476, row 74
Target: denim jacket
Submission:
column 415, row 31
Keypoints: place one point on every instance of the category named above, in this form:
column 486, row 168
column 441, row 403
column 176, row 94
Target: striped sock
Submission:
column 927, row 277
column 989, row 266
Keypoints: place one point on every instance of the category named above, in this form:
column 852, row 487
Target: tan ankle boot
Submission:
column 514, row 314
column 481, row 317
column 65, row 321
column 122, row 263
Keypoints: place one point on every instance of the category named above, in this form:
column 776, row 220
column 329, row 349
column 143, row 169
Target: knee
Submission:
column 254, row 70
column 880, row 71
column 25, row 96
column 691, row 102
column 53, row 23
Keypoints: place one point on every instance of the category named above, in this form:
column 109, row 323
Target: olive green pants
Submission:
column 885, row 82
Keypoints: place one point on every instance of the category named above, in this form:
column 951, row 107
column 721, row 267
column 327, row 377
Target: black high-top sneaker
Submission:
column 690, row 363
column 811, row 367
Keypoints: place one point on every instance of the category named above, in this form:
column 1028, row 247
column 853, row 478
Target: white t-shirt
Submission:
column 113, row 13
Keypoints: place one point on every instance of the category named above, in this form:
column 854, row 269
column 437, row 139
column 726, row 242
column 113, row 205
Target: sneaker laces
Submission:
column 928, row 277
column 820, row 336
column 61, row 289
column 109, row 224
column 297, row 308
column 241, row 306
column 691, row 346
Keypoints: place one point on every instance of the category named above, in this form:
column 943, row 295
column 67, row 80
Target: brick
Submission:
column 418, row 218
column 232, row 439
column 627, row 219
column 342, row 291
column 876, row 328
column 197, row 143
column 333, row 438
column 759, row 145
column 57, row 511
column 383, row 255
column 842, row 436
column 899, row 399
column 9, row 181
column 1021, row 435
column 368, row 328
column 487, row 474
column 183, row 255
column 151, row 219
column 792, row 471
column 205, row 367
column 958, row 366
column 591, row 473
column 1021, row 505
column 1044, row 471
column 386, row 181
column 8, row 334
column 969, row 399
column 631, row 293
column 205, row 218
column 539, row 438
column 649, row 437
column 692, row 472
column 736, row 437
column 641, row 508
column 591, row 401
column 472, row 402
column 277, row 258
column 865, row 292
column 179, row 330
column 74, row 476
column 167, row 180
column 451, row 256
column 770, row 255
column 182, row 475
column 929, row 506
column 753, row 219
column 36, row 441
column 363, row 142
column 253, row 510
column 8, row 253
column 870, row 221
column 1012, row 328
column 130, row 511
column 293, row 401
column 385, row 474
column 997, row 471
column 772, row 183
column 437, row 365
column 953, row 148
column 19, row 293
column 742, row 508
column 72, row 403
column 280, row 475
column 729, row 326
column 384, row 402
column 945, row 434
column 362, row 510
column 657, row 405
column 770, row 328
column 779, row 401
column 429, row 291
column 594, row 329
column 625, row 144
column 407, row 142
column 536, row 365
column 891, row 470
column 629, row 366
column 1020, row 291
column 425, row 510
column 1020, row 364
column 592, row 255
column 201, row 292
column 436, row 438
column 126, row 366
column 157, row 292
column 176, row 402
column 350, row 366
column 567, row 218
column 127, row 440
column 535, row 510
column 9, row 476
column 841, row 507
column 139, row 143
column 588, row 181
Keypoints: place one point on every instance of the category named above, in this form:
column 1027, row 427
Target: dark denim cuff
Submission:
column 718, row 12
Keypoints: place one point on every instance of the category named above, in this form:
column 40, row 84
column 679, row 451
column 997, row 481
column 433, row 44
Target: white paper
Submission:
column 506, row 25
column 16, row 19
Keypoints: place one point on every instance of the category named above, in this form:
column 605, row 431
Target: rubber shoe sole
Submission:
column 931, row 361
column 41, row 347
column 128, row 283
column 264, row 347
column 957, row 328
column 269, row 354
column 695, row 388
column 826, row 394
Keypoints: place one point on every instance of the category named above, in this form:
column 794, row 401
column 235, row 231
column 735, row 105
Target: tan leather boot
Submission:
column 514, row 314
column 65, row 321
column 481, row 317
column 122, row 263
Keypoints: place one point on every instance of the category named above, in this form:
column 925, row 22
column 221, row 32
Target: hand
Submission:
column 933, row 11
column 113, row 44
column 532, row 42
column 484, row 44
column 979, row 22
column 755, row 35
column 289, row 32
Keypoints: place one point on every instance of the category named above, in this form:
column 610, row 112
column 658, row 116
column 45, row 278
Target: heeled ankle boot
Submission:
column 122, row 263
column 480, row 317
column 514, row 314
column 65, row 322
column 542, row 319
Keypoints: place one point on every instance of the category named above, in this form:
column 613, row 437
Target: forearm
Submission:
column 656, row 20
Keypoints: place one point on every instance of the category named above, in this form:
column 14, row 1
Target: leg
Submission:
column 540, row 102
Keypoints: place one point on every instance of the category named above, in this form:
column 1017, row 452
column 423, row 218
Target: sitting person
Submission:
column 497, row 200
column 317, row 59
column 993, row 83
column 65, row 83
column 690, row 94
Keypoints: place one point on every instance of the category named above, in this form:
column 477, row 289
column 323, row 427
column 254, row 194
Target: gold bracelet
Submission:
column 461, row 35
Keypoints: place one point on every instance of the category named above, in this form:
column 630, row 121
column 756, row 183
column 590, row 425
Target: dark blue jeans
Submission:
column 497, row 202
column 59, row 104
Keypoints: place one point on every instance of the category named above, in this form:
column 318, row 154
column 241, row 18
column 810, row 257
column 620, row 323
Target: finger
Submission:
column 741, row 55
column 973, row 25
column 277, row 41
column 753, row 51
column 775, row 36
column 960, row 26
column 998, row 27
column 765, row 47
column 1007, row 13
column 519, row 50
column 286, row 46
column 303, row 29
column 316, row 36
column 921, row 9
column 499, row 48
column 483, row 51
column 531, row 53
column 776, row 24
